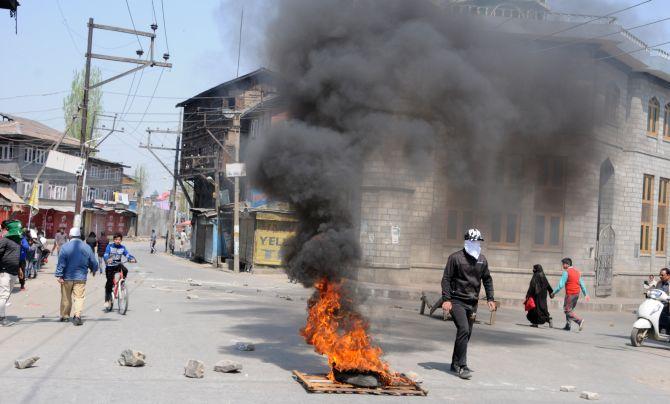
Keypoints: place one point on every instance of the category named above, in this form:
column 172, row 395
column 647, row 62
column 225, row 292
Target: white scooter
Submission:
column 648, row 316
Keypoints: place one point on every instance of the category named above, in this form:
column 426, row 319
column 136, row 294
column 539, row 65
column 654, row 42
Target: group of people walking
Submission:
column 464, row 274
column 76, row 257
column 539, row 289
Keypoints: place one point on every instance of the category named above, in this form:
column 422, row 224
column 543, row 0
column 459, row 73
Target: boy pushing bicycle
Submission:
column 113, row 255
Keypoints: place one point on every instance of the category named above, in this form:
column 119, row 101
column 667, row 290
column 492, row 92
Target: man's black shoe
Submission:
column 77, row 321
column 567, row 327
column 64, row 319
column 466, row 367
column 464, row 373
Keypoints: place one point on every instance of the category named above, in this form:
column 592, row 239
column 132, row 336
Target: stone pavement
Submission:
column 172, row 319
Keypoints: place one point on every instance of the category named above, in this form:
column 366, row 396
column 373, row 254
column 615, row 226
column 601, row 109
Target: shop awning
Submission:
column 11, row 196
column 57, row 208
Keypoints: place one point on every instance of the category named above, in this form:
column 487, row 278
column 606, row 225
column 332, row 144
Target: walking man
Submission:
column 152, row 243
column 74, row 260
column 102, row 247
column 10, row 251
column 59, row 240
column 571, row 280
column 462, row 280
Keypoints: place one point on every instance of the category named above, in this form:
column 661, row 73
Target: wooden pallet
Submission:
column 321, row 384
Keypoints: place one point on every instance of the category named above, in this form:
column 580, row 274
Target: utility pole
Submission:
column 217, row 205
column 173, row 195
column 84, row 123
column 236, row 213
column 150, row 62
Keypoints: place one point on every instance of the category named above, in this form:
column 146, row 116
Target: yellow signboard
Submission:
column 267, row 246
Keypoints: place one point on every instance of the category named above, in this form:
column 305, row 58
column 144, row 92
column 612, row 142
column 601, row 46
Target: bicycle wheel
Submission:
column 122, row 297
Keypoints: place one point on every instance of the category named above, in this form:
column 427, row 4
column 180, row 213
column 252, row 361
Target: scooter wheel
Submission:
column 638, row 335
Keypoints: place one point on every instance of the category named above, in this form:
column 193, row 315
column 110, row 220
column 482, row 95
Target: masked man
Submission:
column 462, row 280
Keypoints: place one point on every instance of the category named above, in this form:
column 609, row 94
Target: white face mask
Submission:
column 473, row 248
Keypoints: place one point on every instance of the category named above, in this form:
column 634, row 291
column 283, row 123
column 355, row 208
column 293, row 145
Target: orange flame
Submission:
column 341, row 334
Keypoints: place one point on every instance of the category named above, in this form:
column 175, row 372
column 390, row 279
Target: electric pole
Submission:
column 150, row 62
column 236, row 213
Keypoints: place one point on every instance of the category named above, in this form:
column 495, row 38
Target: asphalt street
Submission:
column 172, row 320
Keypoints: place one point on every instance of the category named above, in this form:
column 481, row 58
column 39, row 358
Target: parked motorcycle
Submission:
column 648, row 317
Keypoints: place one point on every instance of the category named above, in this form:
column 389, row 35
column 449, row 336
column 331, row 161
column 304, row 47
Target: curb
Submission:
column 376, row 291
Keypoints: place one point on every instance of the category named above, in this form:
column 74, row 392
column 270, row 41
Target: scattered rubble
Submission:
column 158, row 309
column 245, row 346
column 227, row 366
column 589, row 395
column 288, row 298
column 194, row 283
column 568, row 389
column 192, row 297
column 132, row 358
column 26, row 363
column 194, row 369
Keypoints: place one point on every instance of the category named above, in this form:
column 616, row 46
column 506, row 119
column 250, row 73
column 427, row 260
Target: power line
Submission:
column 134, row 29
column 67, row 28
column 165, row 28
column 593, row 19
column 603, row 36
column 153, row 9
column 34, row 95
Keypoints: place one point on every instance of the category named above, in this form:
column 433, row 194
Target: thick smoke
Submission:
column 361, row 76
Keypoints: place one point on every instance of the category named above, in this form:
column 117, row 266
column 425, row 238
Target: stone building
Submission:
column 608, row 212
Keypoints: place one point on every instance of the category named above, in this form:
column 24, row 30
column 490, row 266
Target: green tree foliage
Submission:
column 74, row 100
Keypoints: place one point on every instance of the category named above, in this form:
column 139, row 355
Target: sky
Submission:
column 202, row 37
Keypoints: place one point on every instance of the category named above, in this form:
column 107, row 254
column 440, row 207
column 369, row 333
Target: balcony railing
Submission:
column 514, row 12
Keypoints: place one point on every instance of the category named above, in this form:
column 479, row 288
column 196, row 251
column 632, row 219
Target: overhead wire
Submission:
column 134, row 28
column 167, row 46
column 592, row 20
column 619, row 31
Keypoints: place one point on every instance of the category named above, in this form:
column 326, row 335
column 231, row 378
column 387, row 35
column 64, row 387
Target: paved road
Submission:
column 512, row 362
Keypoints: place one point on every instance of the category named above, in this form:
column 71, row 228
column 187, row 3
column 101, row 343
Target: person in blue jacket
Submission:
column 113, row 255
column 25, row 250
column 74, row 261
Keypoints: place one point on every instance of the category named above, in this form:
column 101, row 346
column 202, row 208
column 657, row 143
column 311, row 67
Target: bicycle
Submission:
column 120, row 291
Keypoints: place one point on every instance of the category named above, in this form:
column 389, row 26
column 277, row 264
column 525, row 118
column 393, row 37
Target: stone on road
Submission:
column 132, row 358
column 194, row 369
column 26, row 363
column 227, row 366
column 245, row 346
column 568, row 389
column 589, row 395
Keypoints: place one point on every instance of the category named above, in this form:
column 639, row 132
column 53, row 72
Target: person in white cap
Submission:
column 462, row 280
column 74, row 261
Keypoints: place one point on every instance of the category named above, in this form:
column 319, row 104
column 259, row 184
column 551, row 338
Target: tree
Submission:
column 142, row 178
column 74, row 100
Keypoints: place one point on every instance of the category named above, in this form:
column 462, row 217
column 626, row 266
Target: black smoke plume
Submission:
column 367, row 75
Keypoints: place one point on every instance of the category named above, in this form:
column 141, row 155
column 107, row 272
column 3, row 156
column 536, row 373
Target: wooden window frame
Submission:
column 547, row 231
column 666, row 122
column 460, row 226
column 653, row 112
column 662, row 217
column 646, row 226
column 503, row 244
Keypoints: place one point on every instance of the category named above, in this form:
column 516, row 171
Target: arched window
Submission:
column 652, row 117
column 612, row 104
column 666, row 121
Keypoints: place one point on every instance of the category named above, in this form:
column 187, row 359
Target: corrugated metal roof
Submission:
column 10, row 195
column 13, row 125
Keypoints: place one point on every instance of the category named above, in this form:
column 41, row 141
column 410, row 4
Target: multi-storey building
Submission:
column 24, row 146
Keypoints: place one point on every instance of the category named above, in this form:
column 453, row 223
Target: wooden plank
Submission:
column 321, row 384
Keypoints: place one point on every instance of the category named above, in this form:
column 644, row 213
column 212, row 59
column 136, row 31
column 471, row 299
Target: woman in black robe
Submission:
column 538, row 289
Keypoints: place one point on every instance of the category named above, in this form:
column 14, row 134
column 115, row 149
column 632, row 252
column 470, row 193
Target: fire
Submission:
column 341, row 335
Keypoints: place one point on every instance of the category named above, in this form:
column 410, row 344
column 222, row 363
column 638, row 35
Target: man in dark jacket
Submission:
column 461, row 283
column 102, row 247
column 10, row 251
